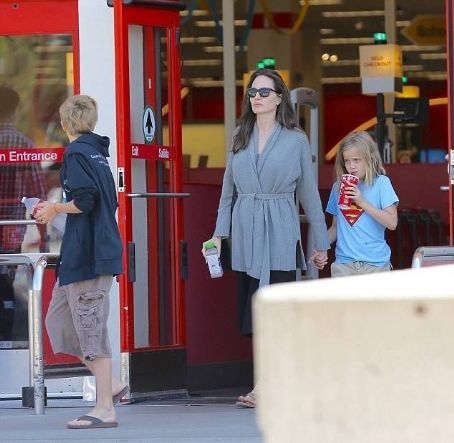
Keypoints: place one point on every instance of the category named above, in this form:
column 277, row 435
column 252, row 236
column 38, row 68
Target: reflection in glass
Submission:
column 34, row 80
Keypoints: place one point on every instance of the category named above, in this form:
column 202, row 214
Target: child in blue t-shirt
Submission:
column 359, row 230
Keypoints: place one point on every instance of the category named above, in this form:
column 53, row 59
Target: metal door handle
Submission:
column 17, row 222
column 158, row 194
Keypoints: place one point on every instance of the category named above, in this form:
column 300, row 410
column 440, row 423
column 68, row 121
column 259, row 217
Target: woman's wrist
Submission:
column 55, row 208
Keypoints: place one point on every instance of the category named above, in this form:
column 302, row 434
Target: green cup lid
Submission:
column 209, row 244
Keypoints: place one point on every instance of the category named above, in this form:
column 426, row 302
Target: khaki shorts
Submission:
column 356, row 268
column 77, row 318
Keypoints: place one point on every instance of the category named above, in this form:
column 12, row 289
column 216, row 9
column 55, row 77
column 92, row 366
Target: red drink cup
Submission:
column 347, row 180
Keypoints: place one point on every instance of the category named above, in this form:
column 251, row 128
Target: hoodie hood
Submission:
column 99, row 142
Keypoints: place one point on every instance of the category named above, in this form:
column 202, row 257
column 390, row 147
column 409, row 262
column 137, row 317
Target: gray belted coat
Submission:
column 264, row 224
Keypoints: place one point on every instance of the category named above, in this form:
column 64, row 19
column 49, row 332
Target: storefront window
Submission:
column 35, row 78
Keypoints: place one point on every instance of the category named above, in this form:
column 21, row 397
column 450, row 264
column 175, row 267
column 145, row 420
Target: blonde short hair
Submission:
column 79, row 114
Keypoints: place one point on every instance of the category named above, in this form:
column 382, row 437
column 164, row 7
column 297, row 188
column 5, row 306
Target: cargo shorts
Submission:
column 76, row 320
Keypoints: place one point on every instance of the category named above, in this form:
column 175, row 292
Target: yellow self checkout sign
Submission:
column 284, row 73
column 269, row 63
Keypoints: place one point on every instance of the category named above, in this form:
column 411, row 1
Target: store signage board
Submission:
column 32, row 155
column 426, row 30
column 151, row 152
column 380, row 68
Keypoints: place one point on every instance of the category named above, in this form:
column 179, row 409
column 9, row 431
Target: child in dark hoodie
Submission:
column 90, row 255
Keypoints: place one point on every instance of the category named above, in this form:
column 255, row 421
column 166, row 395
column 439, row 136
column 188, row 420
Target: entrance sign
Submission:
column 380, row 68
column 31, row 155
column 149, row 124
column 426, row 30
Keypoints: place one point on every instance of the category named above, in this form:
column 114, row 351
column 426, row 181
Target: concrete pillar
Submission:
column 357, row 359
column 390, row 29
column 228, row 28
column 298, row 53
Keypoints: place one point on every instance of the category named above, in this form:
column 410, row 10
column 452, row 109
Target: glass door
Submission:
column 150, row 197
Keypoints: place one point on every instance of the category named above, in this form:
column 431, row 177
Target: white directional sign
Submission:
column 149, row 124
column 380, row 68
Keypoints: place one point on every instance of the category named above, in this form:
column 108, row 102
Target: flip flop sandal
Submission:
column 246, row 401
column 244, row 404
column 94, row 423
column 119, row 395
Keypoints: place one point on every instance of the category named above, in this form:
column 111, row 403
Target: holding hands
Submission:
column 319, row 259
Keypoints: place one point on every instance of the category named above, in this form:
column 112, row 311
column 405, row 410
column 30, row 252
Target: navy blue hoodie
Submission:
column 91, row 244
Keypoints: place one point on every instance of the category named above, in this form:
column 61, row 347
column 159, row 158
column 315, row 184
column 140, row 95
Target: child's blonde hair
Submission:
column 79, row 114
column 366, row 144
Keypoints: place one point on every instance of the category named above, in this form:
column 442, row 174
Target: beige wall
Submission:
column 204, row 139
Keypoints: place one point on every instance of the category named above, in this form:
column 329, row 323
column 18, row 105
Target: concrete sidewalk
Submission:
column 203, row 419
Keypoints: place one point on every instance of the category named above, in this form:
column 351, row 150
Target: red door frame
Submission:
column 125, row 15
column 38, row 17
column 450, row 85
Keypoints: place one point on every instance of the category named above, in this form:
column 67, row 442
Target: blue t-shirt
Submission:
column 359, row 236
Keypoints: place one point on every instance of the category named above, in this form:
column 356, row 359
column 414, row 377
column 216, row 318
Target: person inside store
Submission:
column 269, row 164
column 359, row 228
column 90, row 256
column 17, row 180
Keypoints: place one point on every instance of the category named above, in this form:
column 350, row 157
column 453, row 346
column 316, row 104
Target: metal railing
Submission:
column 35, row 263
column 432, row 256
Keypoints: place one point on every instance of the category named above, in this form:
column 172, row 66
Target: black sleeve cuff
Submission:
column 85, row 198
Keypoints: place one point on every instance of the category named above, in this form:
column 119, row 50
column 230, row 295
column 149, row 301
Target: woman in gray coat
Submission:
column 270, row 162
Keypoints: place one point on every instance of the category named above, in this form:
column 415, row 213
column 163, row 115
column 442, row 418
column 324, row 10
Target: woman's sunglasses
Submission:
column 263, row 92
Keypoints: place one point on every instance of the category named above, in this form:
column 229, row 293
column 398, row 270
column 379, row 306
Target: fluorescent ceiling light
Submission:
column 212, row 23
column 195, row 13
column 345, row 14
column 434, row 75
column 198, row 39
column 202, row 62
column 412, row 68
column 321, row 2
column 437, row 76
column 433, row 56
column 219, row 49
column 347, row 41
column 421, row 48
column 327, row 31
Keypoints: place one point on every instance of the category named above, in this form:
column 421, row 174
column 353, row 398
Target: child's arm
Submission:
column 332, row 231
column 387, row 216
